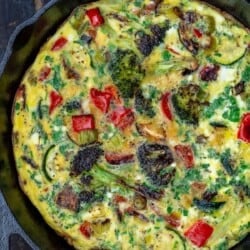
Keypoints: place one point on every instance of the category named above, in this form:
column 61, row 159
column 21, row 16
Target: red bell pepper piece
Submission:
column 173, row 220
column 55, row 101
column 186, row 154
column 59, row 43
column 86, row 229
column 199, row 233
column 95, row 17
column 244, row 130
column 118, row 158
column 122, row 117
column 165, row 106
column 197, row 33
column 44, row 73
column 119, row 199
column 101, row 99
column 111, row 89
column 83, row 122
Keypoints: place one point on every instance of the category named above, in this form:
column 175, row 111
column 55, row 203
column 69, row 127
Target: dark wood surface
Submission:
column 12, row 13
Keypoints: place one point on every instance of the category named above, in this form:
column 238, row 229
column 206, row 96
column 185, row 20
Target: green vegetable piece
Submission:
column 230, row 48
column 246, row 74
column 227, row 162
column 126, row 72
column 188, row 103
column 56, row 81
column 233, row 111
column 207, row 206
column 84, row 137
column 179, row 241
column 48, row 163
column 166, row 55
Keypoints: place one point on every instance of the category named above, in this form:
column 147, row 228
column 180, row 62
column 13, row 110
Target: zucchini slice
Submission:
column 48, row 163
column 179, row 241
column 170, row 238
column 230, row 47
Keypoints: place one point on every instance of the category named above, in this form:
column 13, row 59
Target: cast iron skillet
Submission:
column 22, row 48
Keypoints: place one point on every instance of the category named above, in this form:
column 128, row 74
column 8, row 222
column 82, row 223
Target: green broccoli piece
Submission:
column 126, row 72
column 188, row 103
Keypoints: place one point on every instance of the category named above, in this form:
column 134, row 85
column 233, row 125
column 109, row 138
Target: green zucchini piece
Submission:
column 230, row 46
column 84, row 137
column 228, row 53
column 177, row 239
column 48, row 163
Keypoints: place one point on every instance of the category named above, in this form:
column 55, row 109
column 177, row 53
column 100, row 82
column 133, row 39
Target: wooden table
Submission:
column 13, row 13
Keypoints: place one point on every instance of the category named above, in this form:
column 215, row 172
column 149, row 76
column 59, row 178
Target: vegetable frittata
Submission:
column 131, row 129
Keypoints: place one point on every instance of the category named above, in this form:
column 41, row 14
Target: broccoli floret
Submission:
column 143, row 105
column 146, row 42
column 188, row 103
column 126, row 72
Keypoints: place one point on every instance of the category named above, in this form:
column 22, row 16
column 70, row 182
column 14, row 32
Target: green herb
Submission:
column 117, row 233
column 224, row 101
column 182, row 185
column 57, row 136
column 138, row 3
column 232, row 112
column 48, row 59
column 169, row 209
column 56, row 81
column 166, row 55
column 246, row 74
column 185, row 212
column 222, row 246
column 212, row 153
column 17, row 106
column 131, row 238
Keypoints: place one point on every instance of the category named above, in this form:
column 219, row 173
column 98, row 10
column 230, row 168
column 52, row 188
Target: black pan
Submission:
column 21, row 50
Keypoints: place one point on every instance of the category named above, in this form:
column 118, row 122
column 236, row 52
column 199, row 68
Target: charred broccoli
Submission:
column 146, row 42
column 143, row 105
column 188, row 102
column 126, row 72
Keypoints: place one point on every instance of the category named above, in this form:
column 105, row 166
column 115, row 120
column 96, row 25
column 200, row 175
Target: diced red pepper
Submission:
column 173, row 220
column 111, row 89
column 197, row 33
column 86, row 229
column 83, row 122
column 95, row 17
column 101, row 99
column 122, row 117
column 119, row 199
column 118, row 158
column 186, row 154
column 55, row 101
column 59, row 43
column 199, row 233
column 44, row 73
column 165, row 106
column 244, row 130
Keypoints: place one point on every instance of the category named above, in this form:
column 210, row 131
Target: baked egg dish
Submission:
column 131, row 128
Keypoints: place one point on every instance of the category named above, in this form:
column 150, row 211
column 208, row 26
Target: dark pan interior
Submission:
column 23, row 46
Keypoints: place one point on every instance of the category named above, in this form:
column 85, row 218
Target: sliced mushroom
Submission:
column 151, row 131
column 68, row 199
column 192, row 37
